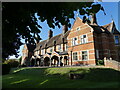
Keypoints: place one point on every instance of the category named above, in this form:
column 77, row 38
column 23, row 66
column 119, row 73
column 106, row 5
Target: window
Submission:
column 59, row 47
column 83, row 39
column 78, row 28
column 66, row 47
column 24, row 54
column 42, row 52
column 84, row 55
column 74, row 41
column 50, row 50
column 108, row 53
column 75, row 57
column 97, row 54
column 37, row 52
column 116, row 40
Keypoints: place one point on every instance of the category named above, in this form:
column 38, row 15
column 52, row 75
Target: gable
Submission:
column 84, row 28
column 78, row 23
column 25, row 47
column 111, row 27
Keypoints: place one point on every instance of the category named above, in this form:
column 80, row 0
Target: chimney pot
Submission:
column 93, row 19
column 65, row 29
column 50, row 34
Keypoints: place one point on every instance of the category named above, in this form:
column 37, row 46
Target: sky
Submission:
column 111, row 10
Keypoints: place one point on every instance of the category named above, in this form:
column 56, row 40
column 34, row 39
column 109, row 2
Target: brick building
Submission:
column 83, row 44
column 27, row 53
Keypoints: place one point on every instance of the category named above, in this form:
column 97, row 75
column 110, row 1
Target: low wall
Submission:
column 112, row 64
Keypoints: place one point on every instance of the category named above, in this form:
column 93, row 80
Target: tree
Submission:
column 19, row 21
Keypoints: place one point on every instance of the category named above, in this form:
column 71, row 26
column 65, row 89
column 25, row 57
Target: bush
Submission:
column 12, row 63
column 5, row 69
column 100, row 62
column 20, row 59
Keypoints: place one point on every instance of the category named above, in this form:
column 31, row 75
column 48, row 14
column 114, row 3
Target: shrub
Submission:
column 100, row 62
column 12, row 63
column 20, row 59
column 5, row 69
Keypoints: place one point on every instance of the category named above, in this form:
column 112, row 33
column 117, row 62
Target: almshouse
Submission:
column 83, row 44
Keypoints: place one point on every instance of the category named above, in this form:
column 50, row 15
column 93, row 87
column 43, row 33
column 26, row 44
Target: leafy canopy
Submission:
column 19, row 21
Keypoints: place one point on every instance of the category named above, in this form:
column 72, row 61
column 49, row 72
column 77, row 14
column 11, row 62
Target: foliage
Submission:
column 5, row 69
column 100, row 62
column 19, row 21
column 13, row 63
column 37, row 78
column 3, row 60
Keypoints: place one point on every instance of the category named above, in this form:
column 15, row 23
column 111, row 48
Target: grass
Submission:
column 58, row 78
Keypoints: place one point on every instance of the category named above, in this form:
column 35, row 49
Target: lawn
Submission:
column 58, row 78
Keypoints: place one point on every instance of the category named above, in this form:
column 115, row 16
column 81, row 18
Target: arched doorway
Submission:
column 46, row 61
column 65, row 60
column 55, row 60
column 38, row 62
column 32, row 62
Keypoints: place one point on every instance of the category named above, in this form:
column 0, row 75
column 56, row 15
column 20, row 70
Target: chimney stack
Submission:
column 65, row 29
column 50, row 34
column 93, row 19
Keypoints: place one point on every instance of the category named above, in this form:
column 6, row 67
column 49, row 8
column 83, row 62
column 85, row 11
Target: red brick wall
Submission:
column 104, row 43
column 89, row 46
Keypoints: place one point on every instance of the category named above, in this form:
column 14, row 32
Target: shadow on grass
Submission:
column 58, row 77
column 102, row 75
column 91, row 74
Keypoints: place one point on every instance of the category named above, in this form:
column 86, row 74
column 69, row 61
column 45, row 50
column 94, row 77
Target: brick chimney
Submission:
column 93, row 19
column 50, row 34
column 65, row 29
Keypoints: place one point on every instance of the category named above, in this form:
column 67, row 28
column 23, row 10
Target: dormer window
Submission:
column 59, row 47
column 78, row 28
column 40, row 46
column 51, row 50
column 116, row 40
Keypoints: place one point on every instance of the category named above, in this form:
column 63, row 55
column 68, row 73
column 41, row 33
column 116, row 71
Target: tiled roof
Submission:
column 42, row 43
column 108, row 28
column 111, row 28
column 50, row 42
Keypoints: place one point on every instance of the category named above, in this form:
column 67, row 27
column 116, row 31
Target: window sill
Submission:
column 80, row 60
column 81, row 44
column 76, row 60
column 83, row 60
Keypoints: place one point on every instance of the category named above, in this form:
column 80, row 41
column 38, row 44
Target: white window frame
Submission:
column 73, row 56
column 83, row 40
column 43, row 51
column 59, row 47
column 74, row 42
column 82, row 55
column 66, row 47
